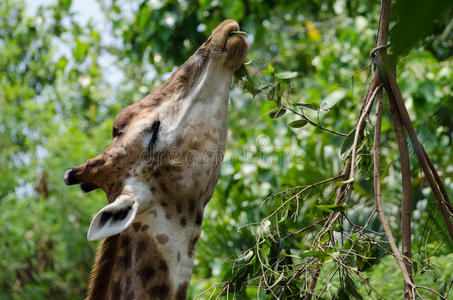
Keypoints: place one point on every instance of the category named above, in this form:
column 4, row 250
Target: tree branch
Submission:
column 380, row 209
column 406, row 205
column 394, row 93
column 313, row 281
column 360, row 127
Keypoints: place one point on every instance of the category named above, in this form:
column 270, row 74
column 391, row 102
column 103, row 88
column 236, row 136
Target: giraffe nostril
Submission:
column 70, row 177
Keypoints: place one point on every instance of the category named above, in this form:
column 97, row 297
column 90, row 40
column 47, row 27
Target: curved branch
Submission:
column 360, row 127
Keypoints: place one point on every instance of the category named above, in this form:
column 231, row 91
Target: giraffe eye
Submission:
column 154, row 129
column 116, row 132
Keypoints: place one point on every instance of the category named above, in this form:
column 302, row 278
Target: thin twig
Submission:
column 431, row 290
column 439, row 181
column 300, row 192
column 360, row 124
column 305, row 229
column 297, row 275
column 314, row 123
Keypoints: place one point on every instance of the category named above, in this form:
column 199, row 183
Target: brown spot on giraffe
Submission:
column 160, row 291
column 146, row 274
column 140, row 249
column 163, row 265
column 164, row 188
column 181, row 292
column 191, row 246
column 191, row 205
column 199, row 218
column 162, row 238
column 125, row 261
column 128, row 258
column 136, row 226
column 125, row 240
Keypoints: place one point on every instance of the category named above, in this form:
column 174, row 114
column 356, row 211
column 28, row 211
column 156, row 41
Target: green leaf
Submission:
column 298, row 123
column 286, row 75
column 332, row 99
column 348, row 142
column 421, row 22
column 277, row 113
column 270, row 70
column 249, row 81
column 332, row 207
column 309, row 106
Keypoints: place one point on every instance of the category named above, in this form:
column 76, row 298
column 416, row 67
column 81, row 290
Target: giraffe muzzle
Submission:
column 70, row 178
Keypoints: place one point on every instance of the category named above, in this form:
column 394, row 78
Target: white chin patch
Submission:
column 113, row 218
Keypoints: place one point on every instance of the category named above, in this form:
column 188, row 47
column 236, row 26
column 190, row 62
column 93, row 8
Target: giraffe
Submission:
column 159, row 173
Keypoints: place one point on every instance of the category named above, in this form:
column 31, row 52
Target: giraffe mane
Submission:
column 100, row 274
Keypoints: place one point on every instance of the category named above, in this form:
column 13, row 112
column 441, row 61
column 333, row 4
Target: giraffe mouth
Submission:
column 235, row 37
column 227, row 31
column 87, row 187
column 236, row 47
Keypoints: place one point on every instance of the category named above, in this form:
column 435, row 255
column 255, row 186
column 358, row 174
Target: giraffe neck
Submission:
column 152, row 259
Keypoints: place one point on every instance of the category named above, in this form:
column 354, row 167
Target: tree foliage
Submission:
column 63, row 81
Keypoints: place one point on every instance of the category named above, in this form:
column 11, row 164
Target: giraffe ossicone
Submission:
column 159, row 173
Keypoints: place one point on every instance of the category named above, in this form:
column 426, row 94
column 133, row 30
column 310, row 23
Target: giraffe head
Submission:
column 157, row 155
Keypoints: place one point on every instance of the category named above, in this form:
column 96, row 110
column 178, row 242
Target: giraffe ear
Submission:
column 113, row 218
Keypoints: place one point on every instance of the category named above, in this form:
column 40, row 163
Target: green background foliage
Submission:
column 63, row 80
